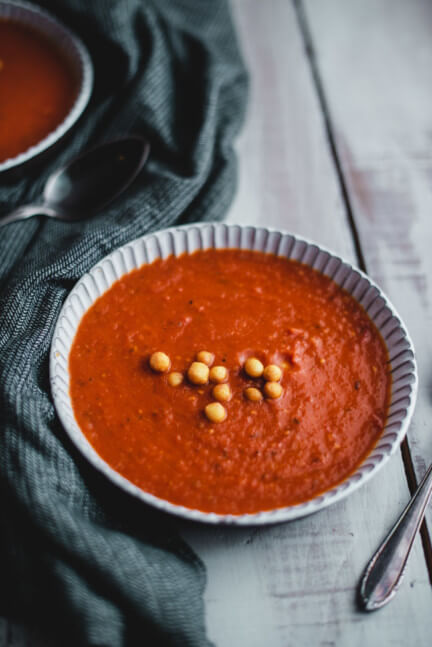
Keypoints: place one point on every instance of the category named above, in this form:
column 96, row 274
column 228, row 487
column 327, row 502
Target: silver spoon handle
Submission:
column 386, row 568
column 27, row 211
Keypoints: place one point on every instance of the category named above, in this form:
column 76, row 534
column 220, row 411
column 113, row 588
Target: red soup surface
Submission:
column 235, row 304
column 37, row 88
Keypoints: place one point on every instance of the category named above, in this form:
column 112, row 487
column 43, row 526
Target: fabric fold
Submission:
column 81, row 560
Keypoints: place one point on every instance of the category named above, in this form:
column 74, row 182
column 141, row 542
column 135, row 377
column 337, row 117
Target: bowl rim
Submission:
column 62, row 403
column 86, row 82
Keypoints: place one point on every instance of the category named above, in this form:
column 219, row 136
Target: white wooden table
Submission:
column 338, row 148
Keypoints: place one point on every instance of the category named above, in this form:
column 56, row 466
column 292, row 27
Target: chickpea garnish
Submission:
column 218, row 374
column 253, row 367
column 175, row 378
column 222, row 392
column 198, row 373
column 253, row 394
column 160, row 362
column 205, row 357
column 272, row 373
column 273, row 390
column 215, row 412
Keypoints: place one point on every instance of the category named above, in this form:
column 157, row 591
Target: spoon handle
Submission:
column 27, row 211
column 386, row 568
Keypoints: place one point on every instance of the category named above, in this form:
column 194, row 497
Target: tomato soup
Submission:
column 306, row 433
column 37, row 88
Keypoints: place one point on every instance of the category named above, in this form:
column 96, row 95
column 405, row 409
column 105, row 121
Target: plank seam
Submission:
column 412, row 486
column 312, row 59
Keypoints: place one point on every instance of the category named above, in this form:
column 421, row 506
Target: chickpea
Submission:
column 253, row 394
column 273, row 390
column 218, row 374
column 253, row 367
column 222, row 392
column 205, row 357
column 175, row 378
column 160, row 362
column 272, row 373
column 215, row 412
column 198, row 373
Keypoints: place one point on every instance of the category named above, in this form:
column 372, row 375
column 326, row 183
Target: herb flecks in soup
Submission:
column 304, row 371
column 37, row 88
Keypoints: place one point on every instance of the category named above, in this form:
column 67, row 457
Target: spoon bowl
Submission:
column 88, row 182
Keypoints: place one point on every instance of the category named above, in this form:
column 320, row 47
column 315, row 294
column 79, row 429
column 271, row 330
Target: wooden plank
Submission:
column 375, row 61
column 294, row 584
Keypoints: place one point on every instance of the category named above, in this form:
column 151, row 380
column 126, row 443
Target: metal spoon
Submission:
column 88, row 182
column 385, row 570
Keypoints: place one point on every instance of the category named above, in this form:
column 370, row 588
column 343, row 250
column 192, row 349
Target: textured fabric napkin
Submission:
column 78, row 558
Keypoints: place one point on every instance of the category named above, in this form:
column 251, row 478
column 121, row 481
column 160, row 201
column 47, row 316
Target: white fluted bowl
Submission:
column 75, row 54
column 187, row 240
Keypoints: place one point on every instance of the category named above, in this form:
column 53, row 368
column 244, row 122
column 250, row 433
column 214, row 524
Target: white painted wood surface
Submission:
column 375, row 61
column 294, row 585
